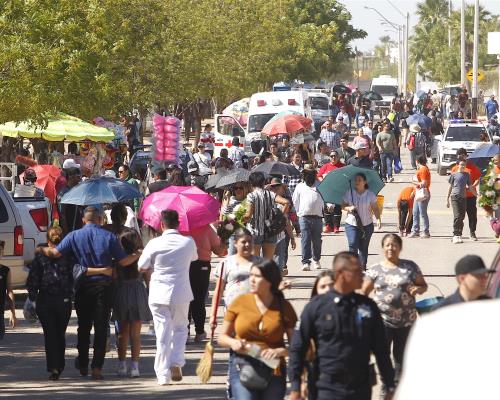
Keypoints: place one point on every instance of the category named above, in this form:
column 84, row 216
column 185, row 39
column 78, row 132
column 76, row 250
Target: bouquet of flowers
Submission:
column 230, row 223
column 489, row 190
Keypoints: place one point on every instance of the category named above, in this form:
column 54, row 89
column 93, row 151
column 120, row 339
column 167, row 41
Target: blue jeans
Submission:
column 357, row 243
column 386, row 160
column 311, row 229
column 280, row 253
column 420, row 210
column 274, row 391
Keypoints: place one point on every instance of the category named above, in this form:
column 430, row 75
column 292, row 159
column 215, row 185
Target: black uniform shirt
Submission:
column 345, row 329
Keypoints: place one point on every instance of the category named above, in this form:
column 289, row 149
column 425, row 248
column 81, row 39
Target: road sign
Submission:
column 480, row 75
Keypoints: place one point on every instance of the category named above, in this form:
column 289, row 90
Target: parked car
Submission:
column 23, row 226
column 458, row 134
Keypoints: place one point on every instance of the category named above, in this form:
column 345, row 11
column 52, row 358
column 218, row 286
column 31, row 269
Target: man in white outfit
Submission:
column 169, row 257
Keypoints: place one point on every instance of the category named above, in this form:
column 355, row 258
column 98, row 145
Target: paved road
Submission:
column 22, row 361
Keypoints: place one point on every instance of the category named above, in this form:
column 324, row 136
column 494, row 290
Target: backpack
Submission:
column 277, row 220
column 411, row 142
column 420, row 141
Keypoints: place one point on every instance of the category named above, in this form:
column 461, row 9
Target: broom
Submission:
column 204, row 369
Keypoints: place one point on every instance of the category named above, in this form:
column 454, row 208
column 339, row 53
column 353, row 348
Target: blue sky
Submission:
column 370, row 21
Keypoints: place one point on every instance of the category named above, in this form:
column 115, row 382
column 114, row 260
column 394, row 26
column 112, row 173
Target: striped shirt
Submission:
column 363, row 203
column 231, row 207
column 262, row 201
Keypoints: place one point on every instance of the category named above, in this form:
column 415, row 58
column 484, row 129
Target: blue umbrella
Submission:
column 487, row 150
column 101, row 190
column 340, row 181
column 420, row 119
column 421, row 93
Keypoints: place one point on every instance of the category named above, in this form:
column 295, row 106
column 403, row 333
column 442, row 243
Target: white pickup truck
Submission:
column 23, row 226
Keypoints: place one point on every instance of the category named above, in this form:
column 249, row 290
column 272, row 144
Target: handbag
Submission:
column 254, row 374
column 422, row 194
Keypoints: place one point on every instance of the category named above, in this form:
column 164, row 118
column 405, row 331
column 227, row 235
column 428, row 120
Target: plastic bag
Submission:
column 29, row 311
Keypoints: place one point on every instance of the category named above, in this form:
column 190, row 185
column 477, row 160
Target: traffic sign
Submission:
column 480, row 75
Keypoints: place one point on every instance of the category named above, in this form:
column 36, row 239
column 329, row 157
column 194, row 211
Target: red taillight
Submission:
column 41, row 218
column 291, row 102
column 261, row 103
column 18, row 241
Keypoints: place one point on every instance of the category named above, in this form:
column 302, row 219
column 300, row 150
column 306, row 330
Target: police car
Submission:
column 460, row 133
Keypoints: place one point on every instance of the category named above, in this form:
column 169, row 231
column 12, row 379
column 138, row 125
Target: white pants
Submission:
column 171, row 328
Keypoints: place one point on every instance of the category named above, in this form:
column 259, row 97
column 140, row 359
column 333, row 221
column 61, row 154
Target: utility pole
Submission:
column 400, row 60
column 449, row 28
column 407, row 53
column 462, row 44
column 357, row 63
column 475, row 59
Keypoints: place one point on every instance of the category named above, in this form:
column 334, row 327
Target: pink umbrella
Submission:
column 195, row 207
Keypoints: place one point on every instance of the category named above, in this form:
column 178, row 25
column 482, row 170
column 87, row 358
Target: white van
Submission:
column 320, row 109
column 263, row 106
column 386, row 86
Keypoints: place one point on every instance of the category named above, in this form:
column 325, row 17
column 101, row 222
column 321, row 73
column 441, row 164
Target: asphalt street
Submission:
column 22, row 359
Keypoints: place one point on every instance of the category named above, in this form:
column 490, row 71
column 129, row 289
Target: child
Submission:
column 6, row 290
column 459, row 183
column 405, row 210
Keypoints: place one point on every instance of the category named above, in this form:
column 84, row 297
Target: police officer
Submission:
column 345, row 327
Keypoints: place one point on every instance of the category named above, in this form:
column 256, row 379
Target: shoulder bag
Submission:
column 277, row 220
column 422, row 194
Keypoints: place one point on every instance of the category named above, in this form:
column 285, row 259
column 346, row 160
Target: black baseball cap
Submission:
column 471, row 264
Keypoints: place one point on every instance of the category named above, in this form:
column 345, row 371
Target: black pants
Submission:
column 54, row 313
column 397, row 337
column 332, row 219
column 199, row 277
column 471, row 210
column 93, row 307
column 458, row 205
column 405, row 216
column 360, row 389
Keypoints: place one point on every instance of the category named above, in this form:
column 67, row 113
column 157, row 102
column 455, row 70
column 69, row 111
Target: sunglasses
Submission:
column 121, row 172
column 238, row 188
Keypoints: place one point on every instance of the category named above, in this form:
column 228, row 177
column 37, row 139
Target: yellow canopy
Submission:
column 60, row 127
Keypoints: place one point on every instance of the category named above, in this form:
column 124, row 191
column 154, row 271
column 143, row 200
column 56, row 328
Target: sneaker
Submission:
column 391, row 179
column 413, row 235
column 316, row 264
column 425, row 235
column 134, row 372
column 176, row 373
column 460, row 240
column 122, row 370
column 306, row 267
column 473, row 236
column 163, row 381
column 200, row 337
column 455, row 240
column 328, row 229
column 284, row 272
column 336, row 229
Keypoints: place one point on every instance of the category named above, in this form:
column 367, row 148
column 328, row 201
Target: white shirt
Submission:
column 368, row 132
column 452, row 353
column 204, row 161
column 307, row 201
column 131, row 221
column 346, row 118
column 235, row 154
column 170, row 256
column 363, row 203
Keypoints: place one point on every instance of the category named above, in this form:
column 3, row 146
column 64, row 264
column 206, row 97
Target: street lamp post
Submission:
column 475, row 59
column 406, row 34
column 462, row 44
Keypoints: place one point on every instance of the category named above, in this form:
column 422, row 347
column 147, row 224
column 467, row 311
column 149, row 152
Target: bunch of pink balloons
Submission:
column 166, row 138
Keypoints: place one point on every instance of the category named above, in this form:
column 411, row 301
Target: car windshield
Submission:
column 385, row 90
column 464, row 133
column 257, row 121
column 319, row 103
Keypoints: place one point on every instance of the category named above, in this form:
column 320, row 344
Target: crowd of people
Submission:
column 103, row 261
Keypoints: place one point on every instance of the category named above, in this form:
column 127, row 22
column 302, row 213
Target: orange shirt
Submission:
column 407, row 194
column 424, row 174
column 266, row 330
column 473, row 171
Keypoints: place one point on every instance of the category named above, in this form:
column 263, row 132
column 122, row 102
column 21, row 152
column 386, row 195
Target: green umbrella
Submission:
column 340, row 181
column 60, row 127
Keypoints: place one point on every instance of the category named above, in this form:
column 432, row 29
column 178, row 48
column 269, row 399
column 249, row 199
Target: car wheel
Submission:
column 441, row 170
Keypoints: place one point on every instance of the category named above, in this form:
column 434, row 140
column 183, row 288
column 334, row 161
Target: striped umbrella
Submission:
column 60, row 127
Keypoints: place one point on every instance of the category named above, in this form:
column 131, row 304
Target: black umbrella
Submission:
column 371, row 95
column 341, row 89
column 276, row 168
column 234, row 176
column 213, row 180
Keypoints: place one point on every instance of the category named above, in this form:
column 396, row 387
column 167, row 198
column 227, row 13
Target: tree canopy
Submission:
column 103, row 57
column 429, row 48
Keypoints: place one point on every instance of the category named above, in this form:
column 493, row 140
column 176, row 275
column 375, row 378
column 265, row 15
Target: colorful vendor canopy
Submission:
column 60, row 127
